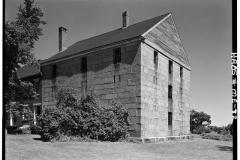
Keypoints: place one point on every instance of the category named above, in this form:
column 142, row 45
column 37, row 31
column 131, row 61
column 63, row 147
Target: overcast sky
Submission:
column 204, row 27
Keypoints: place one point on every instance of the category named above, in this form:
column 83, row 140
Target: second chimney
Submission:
column 60, row 38
column 125, row 19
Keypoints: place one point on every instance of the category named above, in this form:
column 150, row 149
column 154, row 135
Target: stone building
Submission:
column 142, row 66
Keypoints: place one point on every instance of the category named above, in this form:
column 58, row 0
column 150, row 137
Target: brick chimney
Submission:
column 125, row 19
column 60, row 37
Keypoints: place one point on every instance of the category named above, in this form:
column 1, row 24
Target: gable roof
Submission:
column 120, row 34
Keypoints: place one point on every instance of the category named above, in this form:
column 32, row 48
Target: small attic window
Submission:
column 155, row 59
column 117, row 55
column 170, row 67
column 181, row 72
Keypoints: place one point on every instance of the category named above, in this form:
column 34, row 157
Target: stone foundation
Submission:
column 160, row 139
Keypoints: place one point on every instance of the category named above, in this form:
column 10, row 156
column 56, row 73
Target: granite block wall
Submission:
column 105, row 80
column 154, row 96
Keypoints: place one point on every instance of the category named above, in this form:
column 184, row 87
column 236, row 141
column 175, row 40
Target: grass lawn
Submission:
column 29, row 147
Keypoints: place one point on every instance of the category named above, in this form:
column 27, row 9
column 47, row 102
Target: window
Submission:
column 156, row 59
column 84, row 65
column 54, row 71
column 169, row 91
column 117, row 56
column 169, row 118
column 170, row 67
column 181, row 72
column 181, row 80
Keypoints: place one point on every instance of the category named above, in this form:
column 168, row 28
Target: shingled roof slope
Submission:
column 117, row 35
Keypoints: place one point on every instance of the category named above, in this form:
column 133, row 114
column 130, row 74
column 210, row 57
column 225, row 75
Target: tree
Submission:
column 229, row 128
column 198, row 121
column 20, row 36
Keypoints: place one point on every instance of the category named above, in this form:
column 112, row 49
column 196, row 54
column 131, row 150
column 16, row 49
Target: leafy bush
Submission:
column 86, row 118
column 34, row 129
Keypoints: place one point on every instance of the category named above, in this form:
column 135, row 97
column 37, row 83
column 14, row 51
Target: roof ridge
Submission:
column 163, row 15
column 120, row 28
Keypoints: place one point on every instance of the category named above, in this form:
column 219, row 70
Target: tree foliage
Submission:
column 20, row 36
column 199, row 121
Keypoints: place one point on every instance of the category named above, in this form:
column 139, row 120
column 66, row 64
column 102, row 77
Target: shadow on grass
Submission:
column 224, row 148
column 39, row 139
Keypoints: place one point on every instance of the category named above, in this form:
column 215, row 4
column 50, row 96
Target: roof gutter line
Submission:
column 85, row 52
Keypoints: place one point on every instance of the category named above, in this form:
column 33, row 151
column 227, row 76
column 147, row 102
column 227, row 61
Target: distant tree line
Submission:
column 200, row 122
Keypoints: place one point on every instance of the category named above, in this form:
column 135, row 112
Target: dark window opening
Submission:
column 170, row 118
column 117, row 56
column 114, row 79
column 54, row 71
column 169, row 91
column 84, row 65
column 181, row 72
column 156, row 59
column 170, row 67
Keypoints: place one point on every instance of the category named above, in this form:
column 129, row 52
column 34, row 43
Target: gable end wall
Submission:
column 154, row 96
